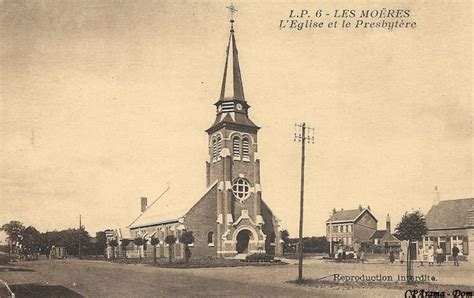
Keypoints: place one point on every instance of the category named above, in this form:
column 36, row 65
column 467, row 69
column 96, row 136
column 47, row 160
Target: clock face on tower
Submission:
column 239, row 107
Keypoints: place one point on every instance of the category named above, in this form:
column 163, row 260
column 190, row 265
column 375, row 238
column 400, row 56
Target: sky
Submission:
column 102, row 102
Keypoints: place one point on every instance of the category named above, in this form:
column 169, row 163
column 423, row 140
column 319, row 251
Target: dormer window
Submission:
column 236, row 147
column 245, row 149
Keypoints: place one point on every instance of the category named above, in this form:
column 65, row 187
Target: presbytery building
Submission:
column 346, row 227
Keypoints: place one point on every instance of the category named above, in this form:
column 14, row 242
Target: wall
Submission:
column 364, row 227
column 201, row 219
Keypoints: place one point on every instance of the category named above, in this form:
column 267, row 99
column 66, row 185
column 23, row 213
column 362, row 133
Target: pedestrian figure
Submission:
column 439, row 256
column 391, row 257
column 401, row 256
column 339, row 253
column 455, row 253
column 362, row 255
column 430, row 256
column 421, row 255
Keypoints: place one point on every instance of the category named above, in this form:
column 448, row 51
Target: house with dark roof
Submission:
column 451, row 223
column 385, row 238
column 346, row 227
column 230, row 216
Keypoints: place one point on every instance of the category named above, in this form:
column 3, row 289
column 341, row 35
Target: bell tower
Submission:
column 234, row 163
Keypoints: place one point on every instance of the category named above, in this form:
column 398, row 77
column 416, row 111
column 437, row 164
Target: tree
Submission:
column 100, row 244
column 30, row 241
column 154, row 241
column 285, row 237
column 187, row 238
column 139, row 242
column 13, row 229
column 125, row 243
column 411, row 228
column 114, row 244
column 170, row 240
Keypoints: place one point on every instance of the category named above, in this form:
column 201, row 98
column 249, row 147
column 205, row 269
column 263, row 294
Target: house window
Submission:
column 427, row 242
column 349, row 228
column 349, row 240
column 210, row 239
column 245, row 149
column 457, row 240
column 340, row 229
column 236, row 147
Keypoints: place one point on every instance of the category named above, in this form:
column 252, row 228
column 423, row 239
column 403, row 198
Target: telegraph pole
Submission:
column 80, row 230
column 303, row 138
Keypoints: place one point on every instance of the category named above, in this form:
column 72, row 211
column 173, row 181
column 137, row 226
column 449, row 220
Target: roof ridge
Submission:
column 148, row 207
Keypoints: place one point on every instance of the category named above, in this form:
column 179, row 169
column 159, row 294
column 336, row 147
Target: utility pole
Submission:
column 80, row 230
column 303, row 138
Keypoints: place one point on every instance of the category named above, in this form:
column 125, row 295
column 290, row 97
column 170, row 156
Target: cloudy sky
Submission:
column 102, row 102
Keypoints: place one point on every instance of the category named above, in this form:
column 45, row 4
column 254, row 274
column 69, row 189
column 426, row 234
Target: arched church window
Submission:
column 210, row 239
column 214, row 149
column 236, row 147
column 219, row 147
column 245, row 149
column 272, row 238
column 241, row 189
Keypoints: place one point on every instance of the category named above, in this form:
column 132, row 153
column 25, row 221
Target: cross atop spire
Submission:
column 232, row 10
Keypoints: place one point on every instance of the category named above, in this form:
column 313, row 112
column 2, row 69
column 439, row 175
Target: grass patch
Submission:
column 196, row 263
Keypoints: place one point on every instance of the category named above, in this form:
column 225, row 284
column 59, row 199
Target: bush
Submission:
column 259, row 258
column 4, row 258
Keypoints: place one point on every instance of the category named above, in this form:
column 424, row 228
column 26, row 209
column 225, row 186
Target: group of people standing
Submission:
column 427, row 255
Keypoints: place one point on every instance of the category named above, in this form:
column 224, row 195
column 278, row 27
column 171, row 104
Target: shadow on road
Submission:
column 39, row 290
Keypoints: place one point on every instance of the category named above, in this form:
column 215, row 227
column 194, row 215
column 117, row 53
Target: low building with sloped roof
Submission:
column 385, row 237
column 451, row 223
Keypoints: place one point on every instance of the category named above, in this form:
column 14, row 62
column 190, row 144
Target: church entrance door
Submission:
column 243, row 238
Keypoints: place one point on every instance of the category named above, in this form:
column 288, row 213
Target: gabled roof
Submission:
column 378, row 234
column 169, row 207
column 349, row 215
column 449, row 214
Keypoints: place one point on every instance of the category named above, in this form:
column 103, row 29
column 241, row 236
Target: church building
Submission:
column 230, row 218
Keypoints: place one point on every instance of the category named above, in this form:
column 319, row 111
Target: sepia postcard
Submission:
column 248, row 148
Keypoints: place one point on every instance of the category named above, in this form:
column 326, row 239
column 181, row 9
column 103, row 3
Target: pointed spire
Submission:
column 232, row 87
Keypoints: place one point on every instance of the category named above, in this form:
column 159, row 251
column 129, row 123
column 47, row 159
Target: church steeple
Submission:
column 232, row 87
column 232, row 108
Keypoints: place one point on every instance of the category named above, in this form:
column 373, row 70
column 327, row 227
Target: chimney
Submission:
column 333, row 211
column 368, row 207
column 144, row 203
column 360, row 208
column 387, row 224
column 436, row 196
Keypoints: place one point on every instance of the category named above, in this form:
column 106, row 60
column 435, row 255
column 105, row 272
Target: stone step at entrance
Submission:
column 240, row 256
